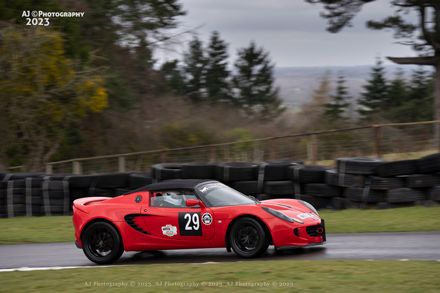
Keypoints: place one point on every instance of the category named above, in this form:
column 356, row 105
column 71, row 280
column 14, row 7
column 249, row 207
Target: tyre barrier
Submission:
column 356, row 182
column 53, row 195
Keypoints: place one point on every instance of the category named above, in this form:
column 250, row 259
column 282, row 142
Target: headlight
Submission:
column 281, row 216
column 309, row 206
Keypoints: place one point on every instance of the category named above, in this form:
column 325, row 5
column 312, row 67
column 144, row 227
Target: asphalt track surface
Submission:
column 353, row 246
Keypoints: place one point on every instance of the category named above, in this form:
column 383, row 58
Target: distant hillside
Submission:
column 297, row 83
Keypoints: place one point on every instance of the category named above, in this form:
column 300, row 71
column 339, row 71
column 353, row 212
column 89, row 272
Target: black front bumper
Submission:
column 77, row 244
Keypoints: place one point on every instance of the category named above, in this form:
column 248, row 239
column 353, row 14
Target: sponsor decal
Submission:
column 211, row 186
column 138, row 199
column 304, row 216
column 207, row 219
column 308, row 215
column 169, row 230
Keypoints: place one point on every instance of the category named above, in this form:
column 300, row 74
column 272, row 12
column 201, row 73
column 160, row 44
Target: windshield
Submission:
column 220, row 195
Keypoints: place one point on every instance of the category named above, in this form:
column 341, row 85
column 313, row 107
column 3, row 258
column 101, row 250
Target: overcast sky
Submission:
column 292, row 31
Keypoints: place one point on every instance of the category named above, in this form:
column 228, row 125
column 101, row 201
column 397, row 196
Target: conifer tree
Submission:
column 339, row 101
column 419, row 102
column 376, row 91
column 397, row 91
column 174, row 79
column 194, row 69
column 253, row 83
column 217, row 74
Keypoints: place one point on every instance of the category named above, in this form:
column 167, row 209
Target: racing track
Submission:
column 355, row 246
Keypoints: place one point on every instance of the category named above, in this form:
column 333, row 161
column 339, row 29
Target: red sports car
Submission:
column 179, row 214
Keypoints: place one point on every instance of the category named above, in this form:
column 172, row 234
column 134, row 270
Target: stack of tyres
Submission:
column 241, row 176
column 21, row 197
column 198, row 170
column 274, row 182
column 3, row 196
column 166, row 171
column 311, row 182
column 403, row 184
column 352, row 177
column 56, row 198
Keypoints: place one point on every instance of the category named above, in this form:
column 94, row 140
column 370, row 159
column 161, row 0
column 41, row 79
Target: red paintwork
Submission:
column 152, row 219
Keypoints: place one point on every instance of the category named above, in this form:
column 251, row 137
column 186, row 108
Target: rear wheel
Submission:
column 102, row 243
column 248, row 238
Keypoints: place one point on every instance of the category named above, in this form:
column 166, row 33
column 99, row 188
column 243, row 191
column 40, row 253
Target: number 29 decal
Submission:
column 189, row 224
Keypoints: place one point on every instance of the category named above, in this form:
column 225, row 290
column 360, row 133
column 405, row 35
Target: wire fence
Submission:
column 390, row 141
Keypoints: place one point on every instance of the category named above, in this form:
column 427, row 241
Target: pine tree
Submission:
column 397, row 92
column 418, row 106
column 217, row 85
column 339, row 102
column 376, row 92
column 174, row 79
column 254, row 83
column 194, row 69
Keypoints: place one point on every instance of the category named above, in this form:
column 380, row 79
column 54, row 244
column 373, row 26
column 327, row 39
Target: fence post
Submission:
column 273, row 149
column 314, row 148
column 163, row 156
column 77, row 167
column 49, row 169
column 121, row 164
column 378, row 140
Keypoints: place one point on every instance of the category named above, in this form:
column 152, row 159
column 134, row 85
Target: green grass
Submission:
column 392, row 220
column 36, row 230
column 60, row 229
column 280, row 276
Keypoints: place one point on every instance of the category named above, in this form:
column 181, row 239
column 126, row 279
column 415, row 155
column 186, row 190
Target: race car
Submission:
column 189, row 213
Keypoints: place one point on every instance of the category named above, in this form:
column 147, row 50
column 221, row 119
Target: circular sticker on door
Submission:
column 138, row 199
column 207, row 219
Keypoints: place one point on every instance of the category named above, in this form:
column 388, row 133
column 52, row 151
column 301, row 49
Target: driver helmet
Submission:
column 172, row 198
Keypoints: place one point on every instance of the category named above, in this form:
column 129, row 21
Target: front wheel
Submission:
column 102, row 243
column 248, row 238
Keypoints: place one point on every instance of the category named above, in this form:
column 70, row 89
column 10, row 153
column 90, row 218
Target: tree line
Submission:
column 399, row 99
column 204, row 75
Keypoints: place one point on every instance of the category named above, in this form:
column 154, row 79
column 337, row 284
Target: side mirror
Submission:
column 192, row 202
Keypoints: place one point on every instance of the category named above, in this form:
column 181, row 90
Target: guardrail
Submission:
column 373, row 140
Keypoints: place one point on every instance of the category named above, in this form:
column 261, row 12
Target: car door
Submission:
column 168, row 217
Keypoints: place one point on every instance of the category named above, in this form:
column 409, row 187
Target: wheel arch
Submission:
column 102, row 220
column 261, row 222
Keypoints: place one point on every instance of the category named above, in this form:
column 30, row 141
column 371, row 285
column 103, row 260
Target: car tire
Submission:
column 396, row 168
column 405, row 195
column 102, row 243
column 233, row 172
column 332, row 177
column 386, row 183
column 246, row 187
column 422, row 180
column 429, row 164
column 307, row 173
column 358, row 165
column 248, row 238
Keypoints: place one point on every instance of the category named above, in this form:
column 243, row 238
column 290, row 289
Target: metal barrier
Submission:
column 394, row 141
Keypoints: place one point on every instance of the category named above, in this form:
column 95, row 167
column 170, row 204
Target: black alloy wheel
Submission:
column 102, row 243
column 248, row 238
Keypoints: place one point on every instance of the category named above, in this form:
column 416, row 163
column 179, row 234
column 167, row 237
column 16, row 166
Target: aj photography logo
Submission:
column 35, row 17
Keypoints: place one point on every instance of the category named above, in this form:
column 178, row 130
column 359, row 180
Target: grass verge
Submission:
column 282, row 276
column 60, row 229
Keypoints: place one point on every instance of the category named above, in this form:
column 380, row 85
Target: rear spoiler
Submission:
column 82, row 203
